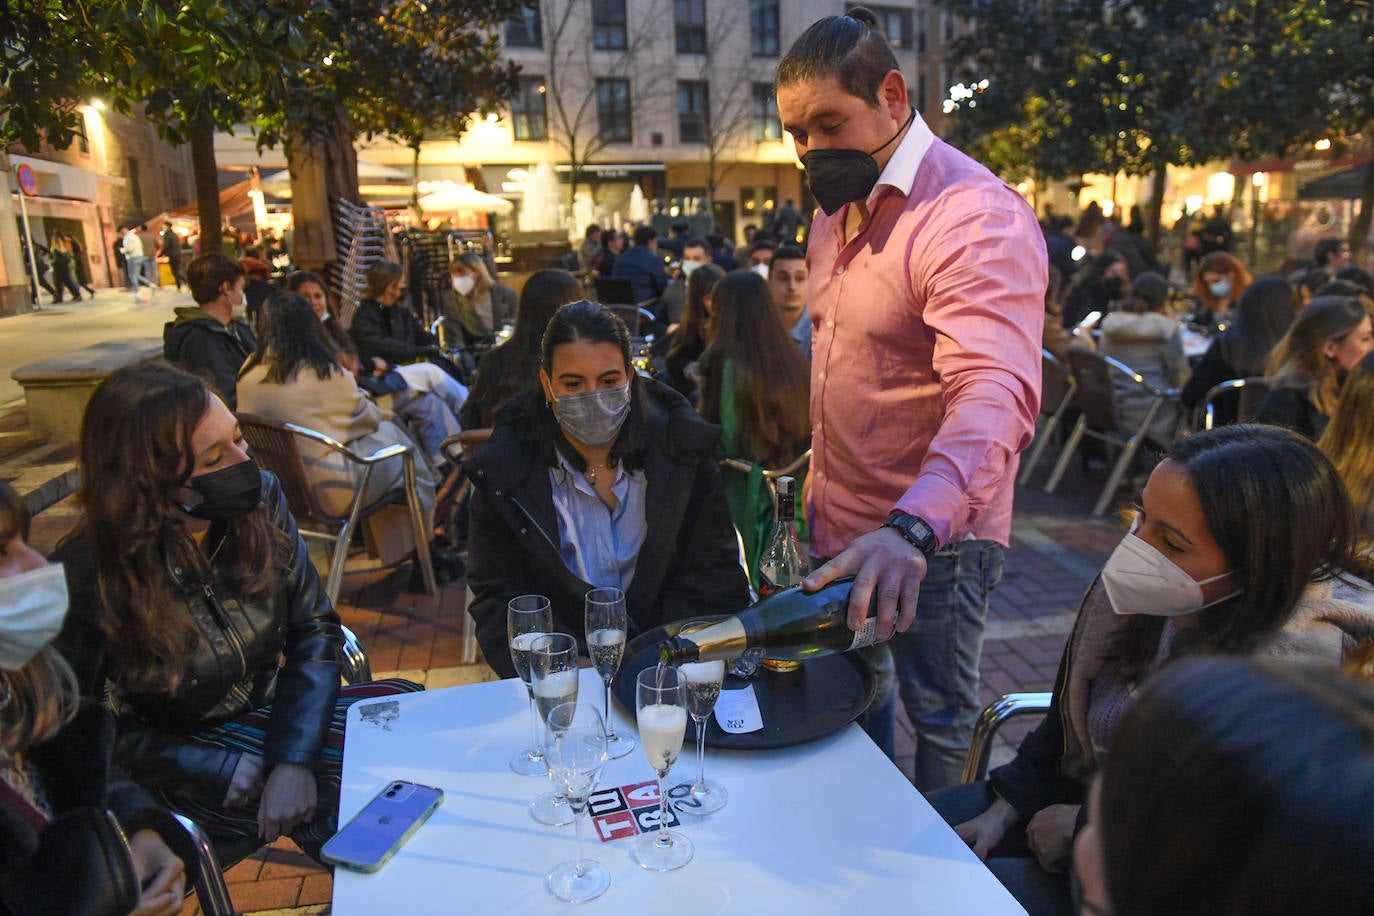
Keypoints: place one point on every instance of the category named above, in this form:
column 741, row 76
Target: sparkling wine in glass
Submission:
column 701, row 681
column 661, row 708
column 553, row 671
column 528, row 617
column 575, row 748
column 606, row 626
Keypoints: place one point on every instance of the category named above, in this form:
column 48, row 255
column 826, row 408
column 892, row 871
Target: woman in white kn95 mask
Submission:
column 1244, row 544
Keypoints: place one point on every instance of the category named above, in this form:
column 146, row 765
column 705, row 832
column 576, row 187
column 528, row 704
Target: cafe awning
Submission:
column 1347, row 184
column 233, row 201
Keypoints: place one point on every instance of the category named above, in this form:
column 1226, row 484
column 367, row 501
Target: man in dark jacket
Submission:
column 212, row 338
column 643, row 266
column 687, row 565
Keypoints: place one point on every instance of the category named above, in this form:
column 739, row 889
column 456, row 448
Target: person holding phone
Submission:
column 197, row 611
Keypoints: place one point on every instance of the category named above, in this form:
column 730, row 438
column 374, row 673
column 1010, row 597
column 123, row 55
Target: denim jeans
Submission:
column 936, row 661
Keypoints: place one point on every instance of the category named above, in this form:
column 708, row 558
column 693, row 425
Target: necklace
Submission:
column 590, row 473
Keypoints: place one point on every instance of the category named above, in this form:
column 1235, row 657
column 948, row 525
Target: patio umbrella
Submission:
column 462, row 198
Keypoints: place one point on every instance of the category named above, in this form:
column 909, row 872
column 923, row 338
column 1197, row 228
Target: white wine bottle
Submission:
column 791, row 625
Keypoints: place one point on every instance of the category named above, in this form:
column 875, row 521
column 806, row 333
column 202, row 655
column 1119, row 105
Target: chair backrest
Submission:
column 275, row 448
column 636, row 319
column 1251, row 396
column 1056, row 382
column 1095, row 396
column 615, row 291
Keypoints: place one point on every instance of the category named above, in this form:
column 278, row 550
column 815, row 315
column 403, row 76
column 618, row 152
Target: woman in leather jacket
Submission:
column 599, row 478
column 193, row 595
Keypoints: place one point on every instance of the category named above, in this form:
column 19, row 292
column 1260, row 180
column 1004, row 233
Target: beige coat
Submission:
column 336, row 407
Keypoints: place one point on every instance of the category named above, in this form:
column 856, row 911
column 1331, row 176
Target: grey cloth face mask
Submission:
column 593, row 417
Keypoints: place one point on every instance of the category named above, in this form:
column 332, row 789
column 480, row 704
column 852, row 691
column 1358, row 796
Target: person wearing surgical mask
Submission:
column 1244, row 544
column 197, row 613
column 1220, row 282
column 49, row 789
column 598, row 478
column 212, row 336
column 481, row 306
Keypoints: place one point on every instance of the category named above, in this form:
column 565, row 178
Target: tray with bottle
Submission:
column 822, row 696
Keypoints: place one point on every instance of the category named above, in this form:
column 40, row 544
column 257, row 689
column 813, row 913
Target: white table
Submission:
column 818, row 828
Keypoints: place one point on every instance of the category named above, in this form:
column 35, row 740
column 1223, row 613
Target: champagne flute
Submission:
column 553, row 672
column 528, row 617
column 606, row 626
column 702, row 681
column 661, row 707
column 575, row 748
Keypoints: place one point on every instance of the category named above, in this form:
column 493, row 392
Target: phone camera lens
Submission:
column 391, row 794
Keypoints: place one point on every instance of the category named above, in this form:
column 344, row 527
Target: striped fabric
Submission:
column 247, row 734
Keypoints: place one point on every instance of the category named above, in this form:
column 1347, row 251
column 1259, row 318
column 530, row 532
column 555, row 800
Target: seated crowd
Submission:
column 187, row 639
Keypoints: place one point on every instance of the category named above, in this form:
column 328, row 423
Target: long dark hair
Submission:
column 593, row 323
column 298, row 278
column 289, row 340
column 1265, row 312
column 1253, row 482
column 1235, row 787
column 513, row 367
column 769, row 375
column 692, row 335
column 136, row 450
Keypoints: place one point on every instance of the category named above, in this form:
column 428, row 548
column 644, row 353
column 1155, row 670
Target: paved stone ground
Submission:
column 1056, row 549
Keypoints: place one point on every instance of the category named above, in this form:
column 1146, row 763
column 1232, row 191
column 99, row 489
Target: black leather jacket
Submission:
column 281, row 649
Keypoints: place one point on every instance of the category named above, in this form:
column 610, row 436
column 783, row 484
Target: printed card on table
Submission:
column 627, row 811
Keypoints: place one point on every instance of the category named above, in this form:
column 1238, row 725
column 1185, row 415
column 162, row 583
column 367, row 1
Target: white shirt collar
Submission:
column 900, row 171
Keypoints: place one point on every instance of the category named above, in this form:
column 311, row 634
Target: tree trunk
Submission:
column 207, row 182
column 1359, row 229
column 324, row 170
column 1156, row 205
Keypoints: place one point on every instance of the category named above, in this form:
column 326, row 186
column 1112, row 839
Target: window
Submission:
column 755, row 202
column 613, row 110
column 949, row 26
column 895, row 23
column 609, row 32
column 529, row 109
column 524, row 30
column 689, row 17
column 765, row 114
column 693, row 103
column 921, row 32
column 763, row 28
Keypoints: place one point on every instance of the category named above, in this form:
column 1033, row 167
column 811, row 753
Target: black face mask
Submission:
column 1114, row 287
column 840, row 176
column 228, row 494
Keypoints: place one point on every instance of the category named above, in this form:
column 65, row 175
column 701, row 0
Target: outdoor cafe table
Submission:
column 813, row 828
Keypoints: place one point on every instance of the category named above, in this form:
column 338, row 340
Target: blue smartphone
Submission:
column 374, row 834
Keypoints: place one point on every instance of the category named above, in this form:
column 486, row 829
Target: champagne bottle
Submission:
column 791, row 625
column 782, row 563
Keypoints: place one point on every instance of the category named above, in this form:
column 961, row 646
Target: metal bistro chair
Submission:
column 771, row 475
column 1248, row 392
column 356, row 668
column 275, row 446
column 464, row 445
column 1058, row 387
column 208, row 878
column 1096, row 397
column 990, row 722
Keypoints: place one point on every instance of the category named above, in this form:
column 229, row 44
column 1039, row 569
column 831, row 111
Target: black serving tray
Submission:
column 824, row 695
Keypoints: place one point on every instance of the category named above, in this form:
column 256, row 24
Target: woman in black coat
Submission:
column 598, row 456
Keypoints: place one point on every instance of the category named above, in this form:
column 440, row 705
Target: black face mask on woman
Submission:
column 841, row 176
column 227, row 494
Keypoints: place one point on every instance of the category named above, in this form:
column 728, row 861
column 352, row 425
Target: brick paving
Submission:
column 1056, row 549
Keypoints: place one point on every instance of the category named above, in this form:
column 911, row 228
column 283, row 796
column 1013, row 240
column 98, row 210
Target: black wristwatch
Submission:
column 915, row 529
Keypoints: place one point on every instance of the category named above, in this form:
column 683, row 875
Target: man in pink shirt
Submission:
column 927, row 284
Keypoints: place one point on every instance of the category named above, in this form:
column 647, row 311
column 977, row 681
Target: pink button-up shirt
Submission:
column 925, row 371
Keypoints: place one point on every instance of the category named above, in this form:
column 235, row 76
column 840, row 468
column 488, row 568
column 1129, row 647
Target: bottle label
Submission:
column 866, row 635
column 737, row 711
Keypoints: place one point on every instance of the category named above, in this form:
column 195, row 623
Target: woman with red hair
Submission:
column 1220, row 281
